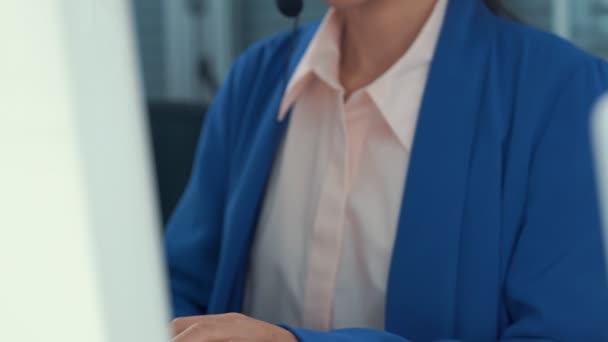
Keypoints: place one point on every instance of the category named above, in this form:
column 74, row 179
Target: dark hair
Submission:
column 499, row 9
column 494, row 5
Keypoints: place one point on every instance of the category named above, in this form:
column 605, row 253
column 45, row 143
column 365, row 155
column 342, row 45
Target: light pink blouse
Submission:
column 323, row 247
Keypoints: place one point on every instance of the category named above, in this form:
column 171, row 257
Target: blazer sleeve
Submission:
column 557, row 284
column 193, row 234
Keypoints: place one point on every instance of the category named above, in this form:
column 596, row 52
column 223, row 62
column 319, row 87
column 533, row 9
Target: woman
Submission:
column 426, row 176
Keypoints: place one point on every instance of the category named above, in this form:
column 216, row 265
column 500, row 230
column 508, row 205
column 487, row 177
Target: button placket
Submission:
column 327, row 235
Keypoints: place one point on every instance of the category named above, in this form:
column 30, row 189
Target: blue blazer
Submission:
column 499, row 237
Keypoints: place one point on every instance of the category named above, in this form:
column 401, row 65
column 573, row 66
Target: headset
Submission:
column 290, row 8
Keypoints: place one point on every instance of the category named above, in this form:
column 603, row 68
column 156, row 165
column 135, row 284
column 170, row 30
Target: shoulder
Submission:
column 254, row 84
column 536, row 80
column 535, row 69
column 540, row 56
column 534, row 48
column 266, row 58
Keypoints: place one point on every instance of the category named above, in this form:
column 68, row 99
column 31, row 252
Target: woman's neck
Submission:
column 375, row 35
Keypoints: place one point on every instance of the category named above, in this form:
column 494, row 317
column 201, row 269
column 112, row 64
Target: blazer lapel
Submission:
column 423, row 276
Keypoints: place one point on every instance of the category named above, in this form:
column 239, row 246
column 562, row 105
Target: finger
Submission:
column 214, row 326
column 210, row 323
column 179, row 325
column 203, row 333
column 190, row 334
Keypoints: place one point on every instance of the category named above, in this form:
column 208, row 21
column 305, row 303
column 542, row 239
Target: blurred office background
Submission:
column 187, row 46
column 176, row 35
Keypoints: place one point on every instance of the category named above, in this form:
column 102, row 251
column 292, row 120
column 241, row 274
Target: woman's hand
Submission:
column 229, row 327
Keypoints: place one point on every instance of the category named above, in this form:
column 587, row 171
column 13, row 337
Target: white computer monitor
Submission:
column 600, row 138
column 80, row 249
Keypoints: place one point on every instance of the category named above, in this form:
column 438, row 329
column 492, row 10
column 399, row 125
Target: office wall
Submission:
column 149, row 27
